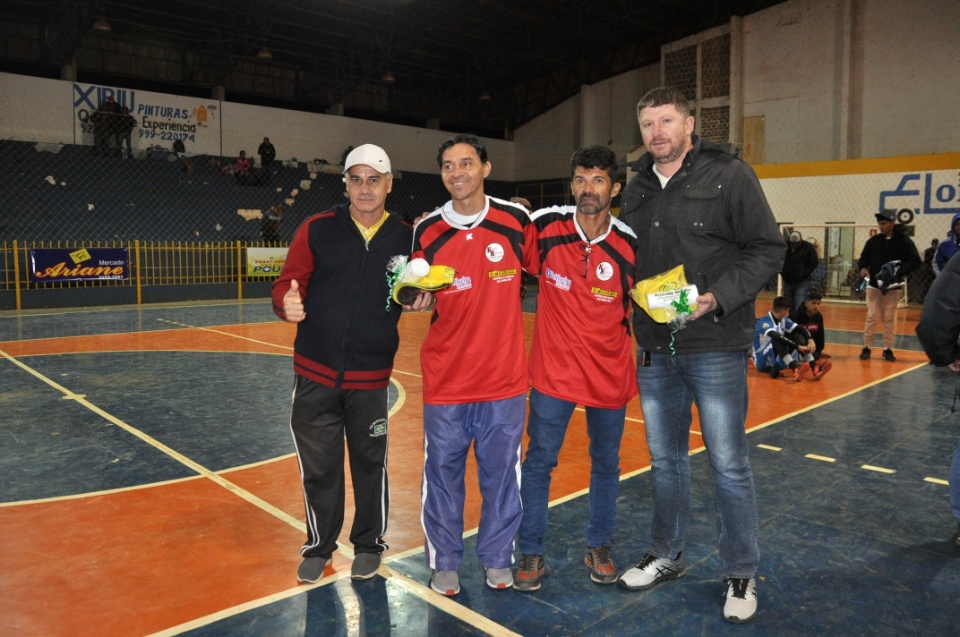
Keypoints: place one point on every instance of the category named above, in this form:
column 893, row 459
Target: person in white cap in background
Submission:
column 333, row 285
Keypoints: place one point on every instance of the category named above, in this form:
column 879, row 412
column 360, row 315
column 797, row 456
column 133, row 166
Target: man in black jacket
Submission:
column 267, row 153
column 938, row 331
column 334, row 287
column 887, row 258
column 799, row 264
column 698, row 204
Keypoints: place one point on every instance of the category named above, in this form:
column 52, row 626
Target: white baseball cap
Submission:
column 368, row 155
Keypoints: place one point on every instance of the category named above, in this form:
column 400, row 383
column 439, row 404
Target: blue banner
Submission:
column 79, row 264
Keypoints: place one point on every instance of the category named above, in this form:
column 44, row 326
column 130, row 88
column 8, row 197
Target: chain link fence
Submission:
column 192, row 216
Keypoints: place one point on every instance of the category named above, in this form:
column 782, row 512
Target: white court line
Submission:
column 153, row 442
column 462, row 613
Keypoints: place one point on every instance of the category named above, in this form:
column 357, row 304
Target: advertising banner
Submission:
column 78, row 264
column 265, row 261
column 158, row 121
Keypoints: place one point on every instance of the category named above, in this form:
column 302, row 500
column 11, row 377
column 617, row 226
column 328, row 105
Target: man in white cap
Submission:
column 334, row 287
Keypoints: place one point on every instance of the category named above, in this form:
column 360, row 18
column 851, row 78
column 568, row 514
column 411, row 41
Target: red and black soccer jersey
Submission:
column 582, row 350
column 474, row 350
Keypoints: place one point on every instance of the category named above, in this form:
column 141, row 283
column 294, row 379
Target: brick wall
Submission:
column 680, row 70
column 715, row 67
column 715, row 123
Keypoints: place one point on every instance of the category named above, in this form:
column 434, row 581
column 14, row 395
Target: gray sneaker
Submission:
column 651, row 571
column 445, row 582
column 365, row 565
column 311, row 569
column 741, row 604
column 499, row 578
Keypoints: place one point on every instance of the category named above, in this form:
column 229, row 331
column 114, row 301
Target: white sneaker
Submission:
column 651, row 571
column 741, row 604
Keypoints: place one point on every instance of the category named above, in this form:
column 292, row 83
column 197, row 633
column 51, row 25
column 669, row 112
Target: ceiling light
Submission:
column 388, row 77
column 102, row 25
column 265, row 54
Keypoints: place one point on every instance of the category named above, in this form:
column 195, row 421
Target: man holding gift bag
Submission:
column 697, row 204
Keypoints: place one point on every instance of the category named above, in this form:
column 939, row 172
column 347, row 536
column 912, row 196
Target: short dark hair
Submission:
column 781, row 303
column 595, row 157
column 463, row 138
column 814, row 294
column 664, row 96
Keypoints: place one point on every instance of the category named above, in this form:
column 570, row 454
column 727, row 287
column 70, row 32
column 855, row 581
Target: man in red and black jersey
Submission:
column 581, row 354
column 334, row 287
column 474, row 372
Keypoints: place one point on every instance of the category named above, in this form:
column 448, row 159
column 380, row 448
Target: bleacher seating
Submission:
column 52, row 193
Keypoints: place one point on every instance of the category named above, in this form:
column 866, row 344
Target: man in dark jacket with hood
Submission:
column 887, row 258
column 949, row 247
column 697, row 204
column 798, row 266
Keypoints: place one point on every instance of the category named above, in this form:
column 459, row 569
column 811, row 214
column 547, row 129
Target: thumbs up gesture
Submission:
column 293, row 304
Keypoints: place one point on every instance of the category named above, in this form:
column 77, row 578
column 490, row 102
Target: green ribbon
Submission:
column 392, row 276
column 682, row 306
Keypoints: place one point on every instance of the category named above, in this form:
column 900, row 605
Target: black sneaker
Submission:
column 774, row 372
column 888, row 355
column 865, row 354
column 311, row 569
column 741, row 604
column 365, row 566
column 531, row 572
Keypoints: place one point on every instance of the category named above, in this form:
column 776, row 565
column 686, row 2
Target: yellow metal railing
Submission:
column 151, row 264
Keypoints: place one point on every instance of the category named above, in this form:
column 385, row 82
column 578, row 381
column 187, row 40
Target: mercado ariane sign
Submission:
column 84, row 264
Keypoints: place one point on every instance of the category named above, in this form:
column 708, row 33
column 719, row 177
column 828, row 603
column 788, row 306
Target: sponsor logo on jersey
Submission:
column 600, row 293
column 461, row 283
column 604, row 271
column 493, row 274
column 494, row 252
column 559, row 281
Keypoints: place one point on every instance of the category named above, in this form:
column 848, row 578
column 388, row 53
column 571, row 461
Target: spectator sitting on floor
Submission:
column 779, row 343
column 809, row 317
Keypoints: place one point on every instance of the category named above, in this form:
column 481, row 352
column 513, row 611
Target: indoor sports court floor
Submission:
column 148, row 487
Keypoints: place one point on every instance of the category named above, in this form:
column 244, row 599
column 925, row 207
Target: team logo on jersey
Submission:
column 604, row 271
column 378, row 428
column 494, row 252
column 469, row 237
